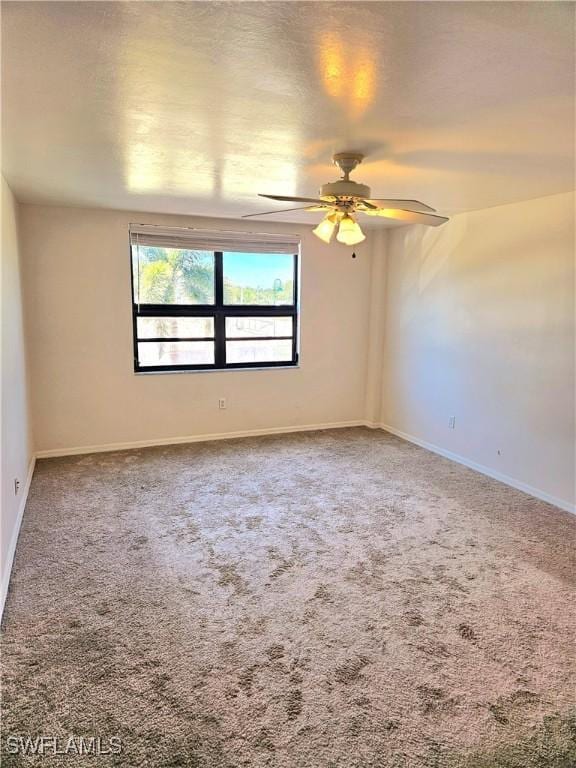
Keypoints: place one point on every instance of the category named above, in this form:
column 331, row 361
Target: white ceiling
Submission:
column 194, row 107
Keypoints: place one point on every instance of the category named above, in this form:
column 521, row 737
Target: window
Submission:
column 213, row 300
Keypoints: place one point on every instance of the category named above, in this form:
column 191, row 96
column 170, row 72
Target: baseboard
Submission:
column 494, row 474
column 7, row 564
column 84, row 449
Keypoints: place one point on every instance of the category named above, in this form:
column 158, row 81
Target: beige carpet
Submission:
column 335, row 599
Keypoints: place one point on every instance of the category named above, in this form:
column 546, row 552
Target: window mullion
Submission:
column 218, row 280
column 219, row 317
column 220, row 339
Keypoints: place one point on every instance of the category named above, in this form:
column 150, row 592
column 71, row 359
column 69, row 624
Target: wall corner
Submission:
column 376, row 325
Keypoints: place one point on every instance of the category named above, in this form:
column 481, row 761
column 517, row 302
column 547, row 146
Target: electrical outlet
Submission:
column 16, row 486
column 222, row 403
column 452, row 422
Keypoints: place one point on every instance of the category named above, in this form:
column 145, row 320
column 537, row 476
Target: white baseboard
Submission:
column 506, row 479
column 193, row 439
column 7, row 564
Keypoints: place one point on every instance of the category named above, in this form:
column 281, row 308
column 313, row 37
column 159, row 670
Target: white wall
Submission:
column 84, row 390
column 16, row 449
column 479, row 324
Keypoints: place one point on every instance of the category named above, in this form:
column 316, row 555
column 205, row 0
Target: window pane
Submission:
column 172, row 276
column 258, row 326
column 258, row 278
column 259, row 351
column 180, row 327
column 176, row 353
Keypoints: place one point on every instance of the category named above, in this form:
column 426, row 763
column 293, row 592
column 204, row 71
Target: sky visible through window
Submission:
column 258, row 269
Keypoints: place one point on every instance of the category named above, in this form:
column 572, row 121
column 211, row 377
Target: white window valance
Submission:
column 212, row 240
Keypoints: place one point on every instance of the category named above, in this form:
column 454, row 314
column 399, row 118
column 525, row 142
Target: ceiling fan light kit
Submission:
column 349, row 232
column 343, row 198
column 325, row 230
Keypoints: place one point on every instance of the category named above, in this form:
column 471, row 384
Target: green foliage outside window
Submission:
column 175, row 276
column 281, row 293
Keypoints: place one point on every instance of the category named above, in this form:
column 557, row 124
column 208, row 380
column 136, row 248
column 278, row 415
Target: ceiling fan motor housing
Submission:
column 343, row 188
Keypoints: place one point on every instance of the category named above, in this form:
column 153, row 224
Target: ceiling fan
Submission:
column 344, row 199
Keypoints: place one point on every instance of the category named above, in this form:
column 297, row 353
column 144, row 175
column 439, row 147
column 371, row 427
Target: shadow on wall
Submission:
column 429, row 251
column 437, row 246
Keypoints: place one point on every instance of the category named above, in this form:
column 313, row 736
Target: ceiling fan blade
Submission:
column 285, row 210
column 293, row 199
column 410, row 217
column 405, row 205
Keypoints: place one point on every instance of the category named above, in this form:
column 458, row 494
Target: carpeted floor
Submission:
column 335, row 599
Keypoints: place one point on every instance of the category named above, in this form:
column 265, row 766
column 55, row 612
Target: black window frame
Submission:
column 219, row 311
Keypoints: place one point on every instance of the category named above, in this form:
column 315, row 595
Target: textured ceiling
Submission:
column 195, row 107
